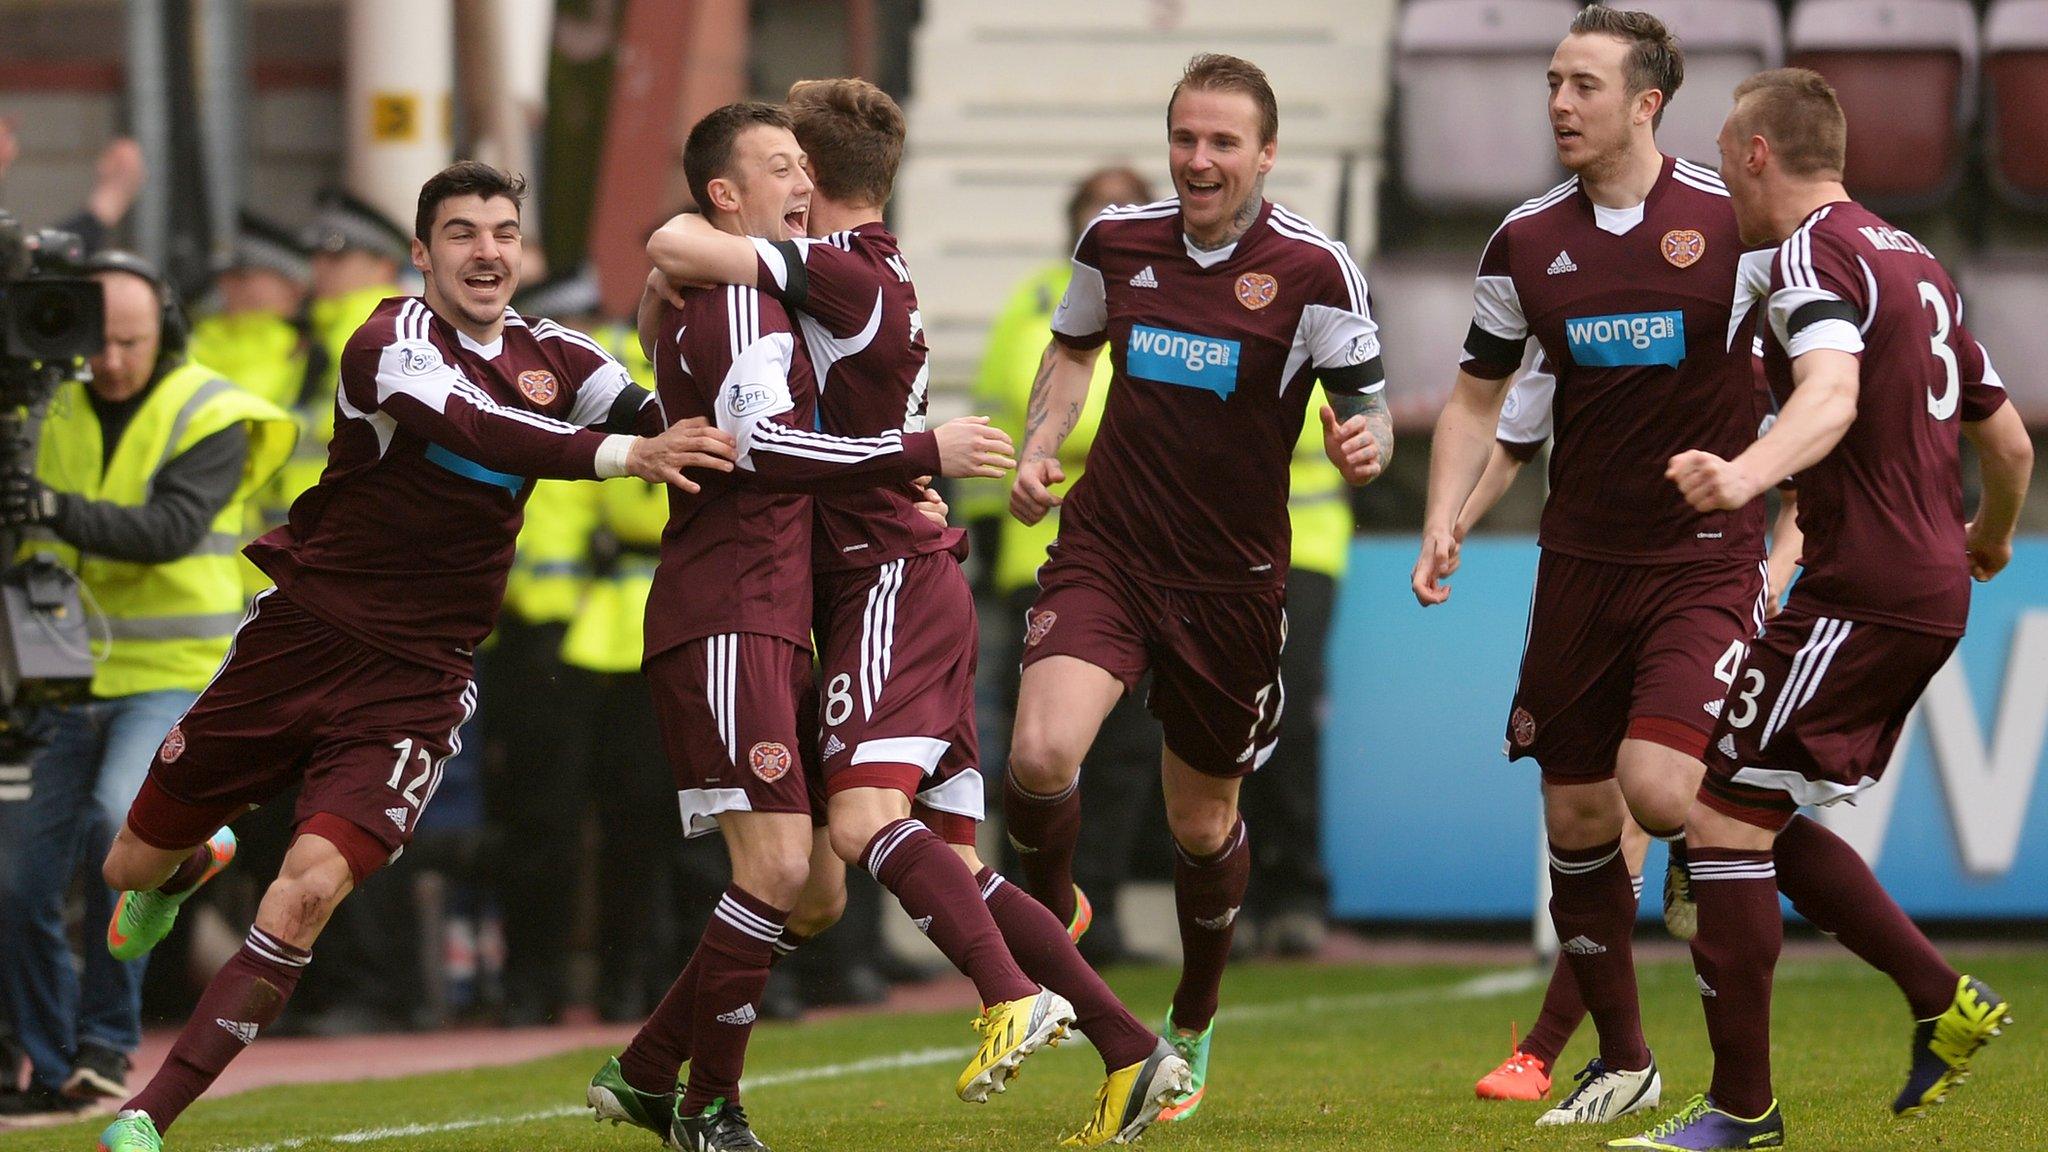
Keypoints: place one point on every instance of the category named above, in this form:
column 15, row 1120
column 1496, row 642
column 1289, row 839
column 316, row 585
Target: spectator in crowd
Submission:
column 1121, row 766
column 117, row 180
column 141, row 477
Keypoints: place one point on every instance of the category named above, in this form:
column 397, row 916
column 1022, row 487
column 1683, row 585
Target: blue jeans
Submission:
column 92, row 762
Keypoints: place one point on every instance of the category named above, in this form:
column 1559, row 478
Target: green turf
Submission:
column 1305, row 1058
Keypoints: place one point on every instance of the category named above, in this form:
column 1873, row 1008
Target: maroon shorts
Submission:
column 1214, row 656
column 732, row 711
column 1814, row 714
column 297, row 698
column 897, row 646
column 1626, row 651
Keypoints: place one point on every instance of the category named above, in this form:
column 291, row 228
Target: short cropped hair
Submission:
column 707, row 154
column 1654, row 58
column 853, row 133
column 1796, row 111
column 1215, row 72
column 464, row 178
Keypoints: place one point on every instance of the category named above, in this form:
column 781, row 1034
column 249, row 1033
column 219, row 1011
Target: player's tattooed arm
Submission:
column 1057, row 394
column 1379, row 420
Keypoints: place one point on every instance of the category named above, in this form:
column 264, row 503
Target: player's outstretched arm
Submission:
column 690, row 250
column 1825, row 383
column 1459, row 451
column 1358, row 435
column 1057, row 395
column 2005, row 458
column 1787, row 545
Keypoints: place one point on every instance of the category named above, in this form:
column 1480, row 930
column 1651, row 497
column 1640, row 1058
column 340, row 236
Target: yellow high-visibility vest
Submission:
column 170, row 623
column 608, row 634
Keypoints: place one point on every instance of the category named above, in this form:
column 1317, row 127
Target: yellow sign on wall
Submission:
column 394, row 117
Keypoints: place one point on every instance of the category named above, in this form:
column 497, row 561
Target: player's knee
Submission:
column 1041, row 761
column 1200, row 825
column 850, row 840
column 816, row 911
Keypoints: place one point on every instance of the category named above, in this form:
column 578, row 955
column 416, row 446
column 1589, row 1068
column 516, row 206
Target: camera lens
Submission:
column 49, row 314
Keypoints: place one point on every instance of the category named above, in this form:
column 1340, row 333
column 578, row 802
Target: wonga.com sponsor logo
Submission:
column 1205, row 362
column 1629, row 339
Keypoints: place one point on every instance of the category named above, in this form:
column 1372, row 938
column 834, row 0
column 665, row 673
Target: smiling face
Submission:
column 471, row 264
column 765, row 190
column 1592, row 116
column 1216, row 156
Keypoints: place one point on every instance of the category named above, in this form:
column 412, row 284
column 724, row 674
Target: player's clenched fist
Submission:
column 691, row 444
column 1439, row 559
column 1709, row 483
column 1031, row 497
column 969, row 447
column 1352, row 447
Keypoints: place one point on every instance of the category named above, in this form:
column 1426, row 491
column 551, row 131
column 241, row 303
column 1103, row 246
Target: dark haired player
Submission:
column 1625, row 274
column 353, row 676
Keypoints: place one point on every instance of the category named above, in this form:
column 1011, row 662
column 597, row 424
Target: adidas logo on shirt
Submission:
column 833, row 746
column 1713, row 708
column 1727, row 746
column 240, row 1030
column 741, row 1016
column 1581, row 946
column 1562, row 265
column 397, row 817
column 1145, row 278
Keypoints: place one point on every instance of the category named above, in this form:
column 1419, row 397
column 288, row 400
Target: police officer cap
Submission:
column 344, row 222
column 264, row 243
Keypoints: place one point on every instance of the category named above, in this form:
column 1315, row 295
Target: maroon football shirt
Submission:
column 405, row 542
column 736, row 557
column 1632, row 309
column 1883, row 512
column 1212, row 354
column 853, row 298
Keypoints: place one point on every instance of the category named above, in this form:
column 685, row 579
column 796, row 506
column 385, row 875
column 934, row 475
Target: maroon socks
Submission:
column 941, row 897
column 1741, row 933
column 1046, row 954
column 1207, row 892
column 1830, row 885
column 1044, row 830
column 1592, row 905
column 245, row 997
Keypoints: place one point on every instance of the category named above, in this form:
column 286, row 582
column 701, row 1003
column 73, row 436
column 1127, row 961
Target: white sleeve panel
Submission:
column 755, row 389
column 1084, row 310
column 598, row 392
column 414, row 368
column 1525, row 415
column 1497, row 308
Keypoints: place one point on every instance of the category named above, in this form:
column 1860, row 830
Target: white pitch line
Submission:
column 1477, row 988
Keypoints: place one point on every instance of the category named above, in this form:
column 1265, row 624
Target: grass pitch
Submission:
column 1306, row 1058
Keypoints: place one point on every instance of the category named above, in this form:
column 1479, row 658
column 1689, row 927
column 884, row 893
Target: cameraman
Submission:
column 139, row 485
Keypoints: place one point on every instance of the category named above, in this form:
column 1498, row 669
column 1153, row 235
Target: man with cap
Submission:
column 139, row 486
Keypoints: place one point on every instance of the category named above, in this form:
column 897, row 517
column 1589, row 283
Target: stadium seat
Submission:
column 1072, row 74
column 1474, row 130
column 2016, row 71
column 1905, row 71
column 2004, row 299
column 1423, row 302
column 1724, row 42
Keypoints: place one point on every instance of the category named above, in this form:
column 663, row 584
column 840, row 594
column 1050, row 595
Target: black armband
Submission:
column 1352, row 379
column 1493, row 356
column 797, row 286
column 625, row 413
column 1807, row 315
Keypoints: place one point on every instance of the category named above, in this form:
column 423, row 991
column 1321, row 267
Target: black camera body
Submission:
column 52, row 320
